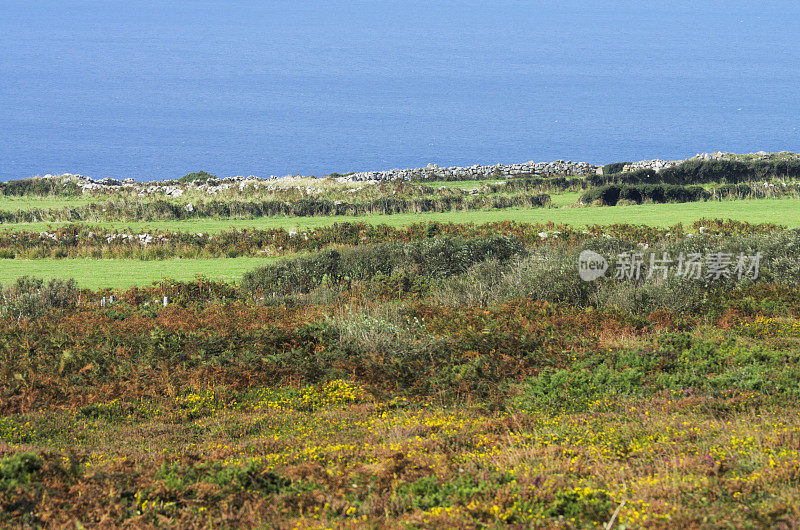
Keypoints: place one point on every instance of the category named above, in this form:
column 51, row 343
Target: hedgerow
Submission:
column 692, row 172
column 656, row 193
column 161, row 209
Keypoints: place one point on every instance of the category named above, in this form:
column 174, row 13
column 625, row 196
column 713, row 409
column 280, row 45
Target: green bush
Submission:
column 32, row 297
column 437, row 257
column 196, row 176
column 550, row 273
column 611, row 194
column 19, row 470
column 615, row 167
column 427, row 492
column 248, row 477
column 697, row 171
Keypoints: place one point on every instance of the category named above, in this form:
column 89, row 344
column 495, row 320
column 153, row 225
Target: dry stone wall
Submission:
column 431, row 171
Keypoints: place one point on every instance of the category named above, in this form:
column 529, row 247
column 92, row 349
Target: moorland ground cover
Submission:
column 422, row 375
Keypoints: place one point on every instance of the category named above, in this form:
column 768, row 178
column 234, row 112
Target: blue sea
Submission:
column 155, row 89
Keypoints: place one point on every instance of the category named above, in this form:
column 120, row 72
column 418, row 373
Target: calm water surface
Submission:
column 154, row 89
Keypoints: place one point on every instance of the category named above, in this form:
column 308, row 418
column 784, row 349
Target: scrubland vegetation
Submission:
column 425, row 375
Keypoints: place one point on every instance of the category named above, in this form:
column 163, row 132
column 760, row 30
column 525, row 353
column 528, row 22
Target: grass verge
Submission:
column 121, row 273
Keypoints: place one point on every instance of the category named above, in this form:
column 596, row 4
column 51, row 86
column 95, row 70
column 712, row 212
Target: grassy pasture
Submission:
column 93, row 274
column 779, row 211
column 124, row 273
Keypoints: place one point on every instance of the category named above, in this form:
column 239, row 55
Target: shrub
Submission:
column 19, row 470
column 32, row 298
column 550, row 274
column 196, row 176
column 697, row 171
column 612, row 194
column 438, row 257
column 615, row 167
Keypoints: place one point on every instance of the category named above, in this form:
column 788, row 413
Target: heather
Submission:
column 425, row 377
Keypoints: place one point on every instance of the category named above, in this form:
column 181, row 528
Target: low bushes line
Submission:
column 166, row 210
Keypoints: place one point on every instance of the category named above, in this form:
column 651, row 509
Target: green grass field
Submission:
column 564, row 199
column 779, row 211
column 93, row 274
column 125, row 273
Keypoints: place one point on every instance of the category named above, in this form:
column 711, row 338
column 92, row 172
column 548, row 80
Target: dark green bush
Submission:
column 615, row 167
column 196, row 176
column 657, row 193
column 437, row 257
column 697, row 171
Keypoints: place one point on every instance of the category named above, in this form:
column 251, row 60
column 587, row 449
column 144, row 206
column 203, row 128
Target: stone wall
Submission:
column 431, row 171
